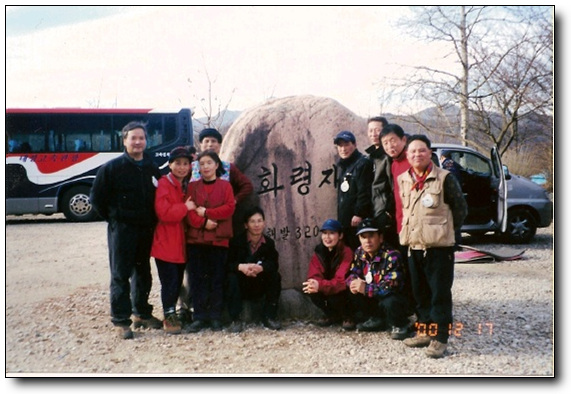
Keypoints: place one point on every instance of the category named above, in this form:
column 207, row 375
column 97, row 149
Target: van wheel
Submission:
column 76, row 205
column 521, row 227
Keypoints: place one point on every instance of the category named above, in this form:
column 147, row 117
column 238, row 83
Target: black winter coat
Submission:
column 357, row 170
column 124, row 190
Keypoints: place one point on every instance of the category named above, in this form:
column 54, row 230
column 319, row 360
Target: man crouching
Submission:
column 375, row 280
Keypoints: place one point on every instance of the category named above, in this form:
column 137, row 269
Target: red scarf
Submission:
column 419, row 179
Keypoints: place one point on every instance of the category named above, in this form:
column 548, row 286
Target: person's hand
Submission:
column 244, row 268
column 310, row 286
column 256, row 269
column 250, row 269
column 190, row 205
column 210, row 224
column 200, row 211
column 357, row 286
column 355, row 220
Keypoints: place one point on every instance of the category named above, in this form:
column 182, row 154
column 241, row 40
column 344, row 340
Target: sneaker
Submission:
column 418, row 341
column 151, row 322
column 236, row 327
column 373, row 324
column 348, row 325
column 172, row 325
column 124, row 332
column 436, row 349
column 216, row 325
column 399, row 333
column 197, row 326
column 272, row 324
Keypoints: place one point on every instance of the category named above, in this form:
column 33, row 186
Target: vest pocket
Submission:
column 433, row 230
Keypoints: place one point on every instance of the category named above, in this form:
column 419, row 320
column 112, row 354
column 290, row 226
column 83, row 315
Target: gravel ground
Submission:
column 57, row 321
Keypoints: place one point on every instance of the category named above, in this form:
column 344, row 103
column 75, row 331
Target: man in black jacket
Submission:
column 123, row 193
column 252, row 270
column 355, row 176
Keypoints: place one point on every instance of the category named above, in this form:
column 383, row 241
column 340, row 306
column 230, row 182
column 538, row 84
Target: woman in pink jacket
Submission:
column 169, row 242
column 326, row 276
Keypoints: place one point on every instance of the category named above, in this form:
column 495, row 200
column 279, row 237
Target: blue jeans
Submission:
column 432, row 274
column 171, row 275
column 207, row 268
column 130, row 268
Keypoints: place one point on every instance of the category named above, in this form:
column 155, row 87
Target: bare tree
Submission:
column 211, row 105
column 504, row 59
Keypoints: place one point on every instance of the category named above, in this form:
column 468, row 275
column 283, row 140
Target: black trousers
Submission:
column 171, row 276
column 207, row 266
column 241, row 287
column 432, row 275
column 335, row 306
column 392, row 308
column 130, row 268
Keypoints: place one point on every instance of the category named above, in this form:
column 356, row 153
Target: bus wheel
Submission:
column 76, row 205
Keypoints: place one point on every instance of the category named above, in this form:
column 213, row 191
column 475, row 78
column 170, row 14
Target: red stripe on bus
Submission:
column 49, row 163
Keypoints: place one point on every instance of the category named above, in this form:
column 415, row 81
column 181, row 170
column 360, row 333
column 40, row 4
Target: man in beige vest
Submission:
column 433, row 207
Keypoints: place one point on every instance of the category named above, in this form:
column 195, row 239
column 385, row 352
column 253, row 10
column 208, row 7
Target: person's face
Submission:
column 371, row 241
column 210, row 143
column 180, row 167
column 345, row 149
column 418, row 155
column 393, row 145
column 208, row 168
column 330, row 238
column 255, row 224
column 135, row 143
column 373, row 131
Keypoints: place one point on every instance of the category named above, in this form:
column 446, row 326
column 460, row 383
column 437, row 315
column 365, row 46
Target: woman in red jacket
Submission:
column 169, row 242
column 208, row 238
column 326, row 276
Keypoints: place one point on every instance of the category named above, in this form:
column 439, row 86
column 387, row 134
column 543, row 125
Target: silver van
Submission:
column 498, row 201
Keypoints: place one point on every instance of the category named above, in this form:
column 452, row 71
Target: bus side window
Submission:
column 80, row 145
column 25, row 147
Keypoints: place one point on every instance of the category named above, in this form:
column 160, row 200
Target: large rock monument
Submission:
column 285, row 146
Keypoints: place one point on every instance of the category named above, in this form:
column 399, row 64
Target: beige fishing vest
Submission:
column 427, row 220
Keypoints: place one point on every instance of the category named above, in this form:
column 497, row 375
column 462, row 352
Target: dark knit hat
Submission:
column 179, row 152
column 210, row 133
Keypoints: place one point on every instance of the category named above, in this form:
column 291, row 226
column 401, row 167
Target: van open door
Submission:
column 502, row 209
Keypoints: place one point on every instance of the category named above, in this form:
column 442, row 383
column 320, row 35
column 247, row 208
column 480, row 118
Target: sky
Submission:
column 163, row 57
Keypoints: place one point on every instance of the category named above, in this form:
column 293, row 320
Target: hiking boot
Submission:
column 272, row 324
column 348, row 325
column 236, row 327
column 436, row 349
column 418, row 341
column 197, row 326
column 399, row 333
column 124, row 332
column 216, row 325
column 373, row 324
column 151, row 322
column 172, row 325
